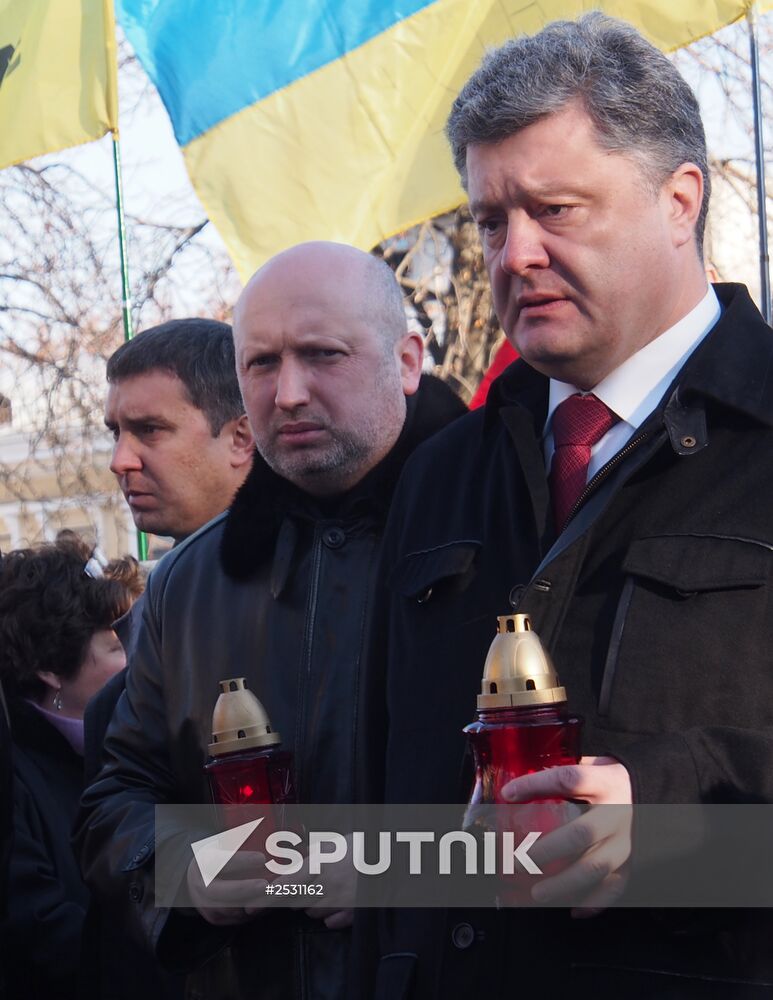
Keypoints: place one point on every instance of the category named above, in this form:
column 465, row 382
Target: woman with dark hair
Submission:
column 57, row 649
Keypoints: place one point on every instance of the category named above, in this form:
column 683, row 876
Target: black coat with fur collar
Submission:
column 286, row 592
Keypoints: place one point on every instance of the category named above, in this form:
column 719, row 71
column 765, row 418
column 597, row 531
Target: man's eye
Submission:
column 555, row 211
column 321, row 353
column 262, row 361
column 488, row 226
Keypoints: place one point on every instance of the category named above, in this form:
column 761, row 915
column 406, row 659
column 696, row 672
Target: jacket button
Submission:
column 135, row 892
column 463, row 935
column 515, row 595
column 688, row 441
column 334, row 538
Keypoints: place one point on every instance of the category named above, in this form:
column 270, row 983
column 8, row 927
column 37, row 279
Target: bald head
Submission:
column 325, row 360
column 367, row 282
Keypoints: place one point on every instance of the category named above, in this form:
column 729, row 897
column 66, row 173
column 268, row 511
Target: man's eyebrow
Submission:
column 133, row 423
column 477, row 207
column 539, row 191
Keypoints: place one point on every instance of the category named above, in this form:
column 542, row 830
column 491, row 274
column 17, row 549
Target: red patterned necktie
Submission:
column 578, row 423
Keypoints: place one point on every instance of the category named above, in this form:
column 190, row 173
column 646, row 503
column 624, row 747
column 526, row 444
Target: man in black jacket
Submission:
column 284, row 589
column 631, row 546
column 182, row 449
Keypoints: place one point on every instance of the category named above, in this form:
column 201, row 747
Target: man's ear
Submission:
column 241, row 442
column 684, row 191
column 410, row 354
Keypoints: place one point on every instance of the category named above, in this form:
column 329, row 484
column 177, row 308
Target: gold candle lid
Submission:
column 239, row 721
column 518, row 670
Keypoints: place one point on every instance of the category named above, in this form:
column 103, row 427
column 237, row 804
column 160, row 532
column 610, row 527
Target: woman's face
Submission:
column 104, row 658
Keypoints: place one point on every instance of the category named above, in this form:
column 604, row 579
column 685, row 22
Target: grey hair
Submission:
column 638, row 102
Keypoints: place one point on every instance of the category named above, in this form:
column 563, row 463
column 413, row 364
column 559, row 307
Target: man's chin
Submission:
column 552, row 356
column 318, row 478
column 313, row 479
column 151, row 526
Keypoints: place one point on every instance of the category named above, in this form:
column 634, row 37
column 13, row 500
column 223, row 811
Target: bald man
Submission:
column 283, row 589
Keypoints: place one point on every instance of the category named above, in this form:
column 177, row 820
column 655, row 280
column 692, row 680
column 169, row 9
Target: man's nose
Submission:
column 292, row 388
column 125, row 456
column 524, row 247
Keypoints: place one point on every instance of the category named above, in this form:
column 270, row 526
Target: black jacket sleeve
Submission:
column 43, row 922
column 115, row 834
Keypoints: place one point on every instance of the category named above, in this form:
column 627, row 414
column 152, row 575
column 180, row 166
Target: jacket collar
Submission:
column 733, row 366
column 519, row 385
column 264, row 501
column 31, row 730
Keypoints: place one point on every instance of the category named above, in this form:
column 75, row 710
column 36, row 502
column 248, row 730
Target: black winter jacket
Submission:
column 650, row 600
column 285, row 591
column 47, row 899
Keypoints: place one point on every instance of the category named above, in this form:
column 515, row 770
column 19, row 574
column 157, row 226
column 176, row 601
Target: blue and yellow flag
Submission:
column 57, row 75
column 323, row 119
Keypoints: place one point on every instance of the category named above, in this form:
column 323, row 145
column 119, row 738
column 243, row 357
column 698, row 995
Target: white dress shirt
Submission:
column 635, row 387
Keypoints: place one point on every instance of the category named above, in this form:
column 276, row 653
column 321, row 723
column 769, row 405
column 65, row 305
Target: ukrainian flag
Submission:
column 57, row 75
column 323, row 119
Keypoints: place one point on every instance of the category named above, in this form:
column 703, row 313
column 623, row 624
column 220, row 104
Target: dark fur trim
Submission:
column 260, row 505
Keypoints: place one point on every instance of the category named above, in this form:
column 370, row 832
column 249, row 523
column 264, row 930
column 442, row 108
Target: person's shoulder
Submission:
column 202, row 544
column 451, row 442
column 437, row 405
column 38, row 747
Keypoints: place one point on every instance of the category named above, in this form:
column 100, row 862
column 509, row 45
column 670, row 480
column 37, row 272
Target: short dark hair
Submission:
column 200, row 352
column 636, row 98
column 49, row 610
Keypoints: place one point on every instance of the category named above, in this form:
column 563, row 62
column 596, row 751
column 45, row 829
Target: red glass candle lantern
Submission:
column 523, row 724
column 247, row 765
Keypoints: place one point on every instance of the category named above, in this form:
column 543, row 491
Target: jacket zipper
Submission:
column 604, row 471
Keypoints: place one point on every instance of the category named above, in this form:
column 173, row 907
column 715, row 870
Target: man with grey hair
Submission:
column 283, row 589
column 611, row 490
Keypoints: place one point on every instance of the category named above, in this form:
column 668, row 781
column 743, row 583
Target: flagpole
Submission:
column 751, row 19
column 128, row 332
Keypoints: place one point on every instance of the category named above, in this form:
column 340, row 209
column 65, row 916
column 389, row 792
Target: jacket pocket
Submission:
column 691, row 626
column 417, row 574
column 697, row 563
column 441, row 619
